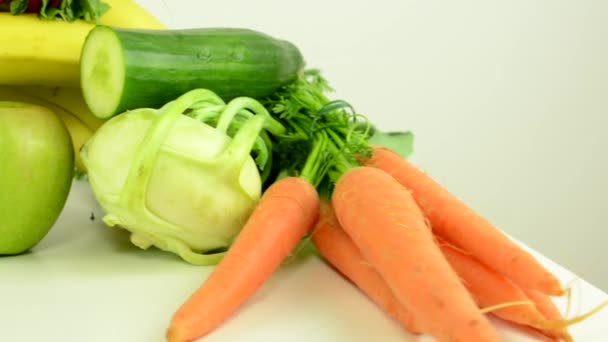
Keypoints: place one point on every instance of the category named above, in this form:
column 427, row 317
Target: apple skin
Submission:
column 36, row 170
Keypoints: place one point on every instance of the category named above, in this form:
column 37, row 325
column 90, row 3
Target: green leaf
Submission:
column 91, row 10
column 18, row 6
column 68, row 10
column 400, row 142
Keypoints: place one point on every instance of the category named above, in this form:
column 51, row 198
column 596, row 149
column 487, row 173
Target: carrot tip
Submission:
column 174, row 334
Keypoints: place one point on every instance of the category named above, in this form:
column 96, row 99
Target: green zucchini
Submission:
column 123, row 69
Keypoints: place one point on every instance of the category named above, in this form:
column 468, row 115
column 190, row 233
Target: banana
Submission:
column 79, row 132
column 129, row 14
column 34, row 51
column 43, row 52
column 69, row 98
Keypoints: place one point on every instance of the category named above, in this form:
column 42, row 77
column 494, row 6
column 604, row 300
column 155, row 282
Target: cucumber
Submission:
column 123, row 69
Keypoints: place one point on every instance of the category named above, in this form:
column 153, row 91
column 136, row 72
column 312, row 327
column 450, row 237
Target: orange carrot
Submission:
column 286, row 211
column 339, row 250
column 490, row 288
column 546, row 306
column 384, row 222
column 455, row 221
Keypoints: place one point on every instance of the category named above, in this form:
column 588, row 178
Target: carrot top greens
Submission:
column 324, row 137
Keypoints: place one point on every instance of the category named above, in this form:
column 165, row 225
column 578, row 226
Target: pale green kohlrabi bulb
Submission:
column 172, row 181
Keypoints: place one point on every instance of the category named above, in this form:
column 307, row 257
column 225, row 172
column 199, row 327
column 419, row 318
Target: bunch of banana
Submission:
column 40, row 63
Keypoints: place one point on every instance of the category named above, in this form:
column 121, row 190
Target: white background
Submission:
column 508, row 100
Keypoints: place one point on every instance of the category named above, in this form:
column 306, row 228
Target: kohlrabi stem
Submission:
column 238, row 104
column 262, row 145
column 134, row 191
column 264, row 157
column 228, row 119
column 206, row 113
column 239, row 148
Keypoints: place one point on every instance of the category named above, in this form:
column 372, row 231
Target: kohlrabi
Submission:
column 177, row 182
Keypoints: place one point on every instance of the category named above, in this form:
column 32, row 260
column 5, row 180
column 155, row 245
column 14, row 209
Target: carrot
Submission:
column 286, row 211
column 455, row 221
column 490, row 288
column 383, row 220
column 544, row 304
column 549, row 310
column 339, row 251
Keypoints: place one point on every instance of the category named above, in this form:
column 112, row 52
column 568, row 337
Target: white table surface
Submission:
column 86, row 282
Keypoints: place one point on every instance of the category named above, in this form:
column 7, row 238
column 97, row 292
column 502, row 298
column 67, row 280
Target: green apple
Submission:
column 36, row 169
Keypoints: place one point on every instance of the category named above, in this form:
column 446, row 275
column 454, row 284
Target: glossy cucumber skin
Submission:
column 161, row 65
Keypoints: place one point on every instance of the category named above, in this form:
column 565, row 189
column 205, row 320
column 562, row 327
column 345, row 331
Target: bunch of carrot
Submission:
column 414, row 245
column 405, row 241
column 496, row 272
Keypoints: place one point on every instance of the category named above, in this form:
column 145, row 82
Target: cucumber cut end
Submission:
column 102, row 72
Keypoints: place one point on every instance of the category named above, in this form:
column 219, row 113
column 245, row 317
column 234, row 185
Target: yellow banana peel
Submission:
column 33, row 51
column 129, row 14
column 43, row 52
column 69, row 98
